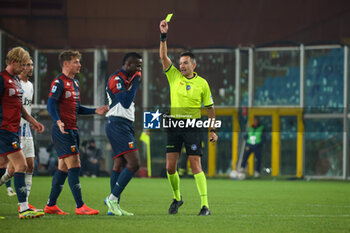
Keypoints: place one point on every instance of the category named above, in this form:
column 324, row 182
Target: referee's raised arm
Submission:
column 163, row 50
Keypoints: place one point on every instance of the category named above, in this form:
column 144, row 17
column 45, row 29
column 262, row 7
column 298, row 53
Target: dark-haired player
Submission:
column 64, row 106
column 121, row 90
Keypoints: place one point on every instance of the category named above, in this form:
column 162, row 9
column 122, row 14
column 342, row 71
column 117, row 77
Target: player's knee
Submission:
column 170, row 170
column 134, row 166
column 21, row 168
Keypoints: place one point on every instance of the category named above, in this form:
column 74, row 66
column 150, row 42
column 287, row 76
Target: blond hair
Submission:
column 17, row 54
column 67, row 55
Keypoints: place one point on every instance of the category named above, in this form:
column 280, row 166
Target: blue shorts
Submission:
column 65, row 144
column 120, row 133
column 9, row 142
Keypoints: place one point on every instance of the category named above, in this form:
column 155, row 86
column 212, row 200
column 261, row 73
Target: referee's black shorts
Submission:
column 190, row 137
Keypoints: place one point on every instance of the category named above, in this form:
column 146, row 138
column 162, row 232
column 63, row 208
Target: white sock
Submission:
column 6, row 177
column 112, row 197
column 28, row 179
column 23, row 206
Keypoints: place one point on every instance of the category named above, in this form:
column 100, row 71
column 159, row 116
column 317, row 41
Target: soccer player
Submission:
column 11, row 108
column 63, row 106
column 25, row 134
column 187, row 92
column 121, row 90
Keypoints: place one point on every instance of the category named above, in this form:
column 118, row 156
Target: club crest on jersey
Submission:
column 73, row 148
column 54, row 88
column 68, row 94
column 188, row 87
column 15, row 145
column 12, row 92
column 131, row 145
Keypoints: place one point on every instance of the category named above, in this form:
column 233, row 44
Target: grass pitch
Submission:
column 236, row 206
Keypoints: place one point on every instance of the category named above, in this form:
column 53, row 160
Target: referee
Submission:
column 187, row 93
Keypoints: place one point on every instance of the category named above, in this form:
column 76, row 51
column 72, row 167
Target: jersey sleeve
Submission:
column 206, row 96
column 56, row 89
column 172, row 73
column 2, row 85
column 115, row 84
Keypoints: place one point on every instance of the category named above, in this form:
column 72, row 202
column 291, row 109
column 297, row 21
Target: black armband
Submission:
column 213, row 130
column 163, row 37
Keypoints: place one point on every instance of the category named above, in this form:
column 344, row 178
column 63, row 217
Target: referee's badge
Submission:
column 131, row 145
column 15, row 145
column 73, row 148
column 194, row 147
column 188, row 87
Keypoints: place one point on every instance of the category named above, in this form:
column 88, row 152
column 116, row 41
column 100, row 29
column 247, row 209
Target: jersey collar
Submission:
column 67, row 77
column 122, row 73
column 189, row 79
column 12, row 76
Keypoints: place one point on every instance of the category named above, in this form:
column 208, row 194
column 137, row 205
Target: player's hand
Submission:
column 38, row 127
column 60, row 125
column 136, row 77
column 213, row 137
column 102, row 110
column 163, row 26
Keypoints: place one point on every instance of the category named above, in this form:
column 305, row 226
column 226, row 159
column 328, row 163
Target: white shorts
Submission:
column 27, row 146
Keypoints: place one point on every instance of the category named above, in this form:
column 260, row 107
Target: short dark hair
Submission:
column 131, row 55
column 189, row 54
column 67, row 56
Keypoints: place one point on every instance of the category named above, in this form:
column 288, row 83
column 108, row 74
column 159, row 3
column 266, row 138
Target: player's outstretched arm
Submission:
column 211, row 115
column 35, row 124
column 163, row 50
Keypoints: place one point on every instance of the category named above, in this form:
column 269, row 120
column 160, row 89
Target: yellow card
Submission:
column 168, row 18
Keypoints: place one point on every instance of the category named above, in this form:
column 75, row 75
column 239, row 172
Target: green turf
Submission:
column 237, row 206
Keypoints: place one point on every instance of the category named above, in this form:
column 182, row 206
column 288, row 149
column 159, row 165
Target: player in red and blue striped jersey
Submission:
column 121, row 91
column 11, row 111
column 63, row 106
